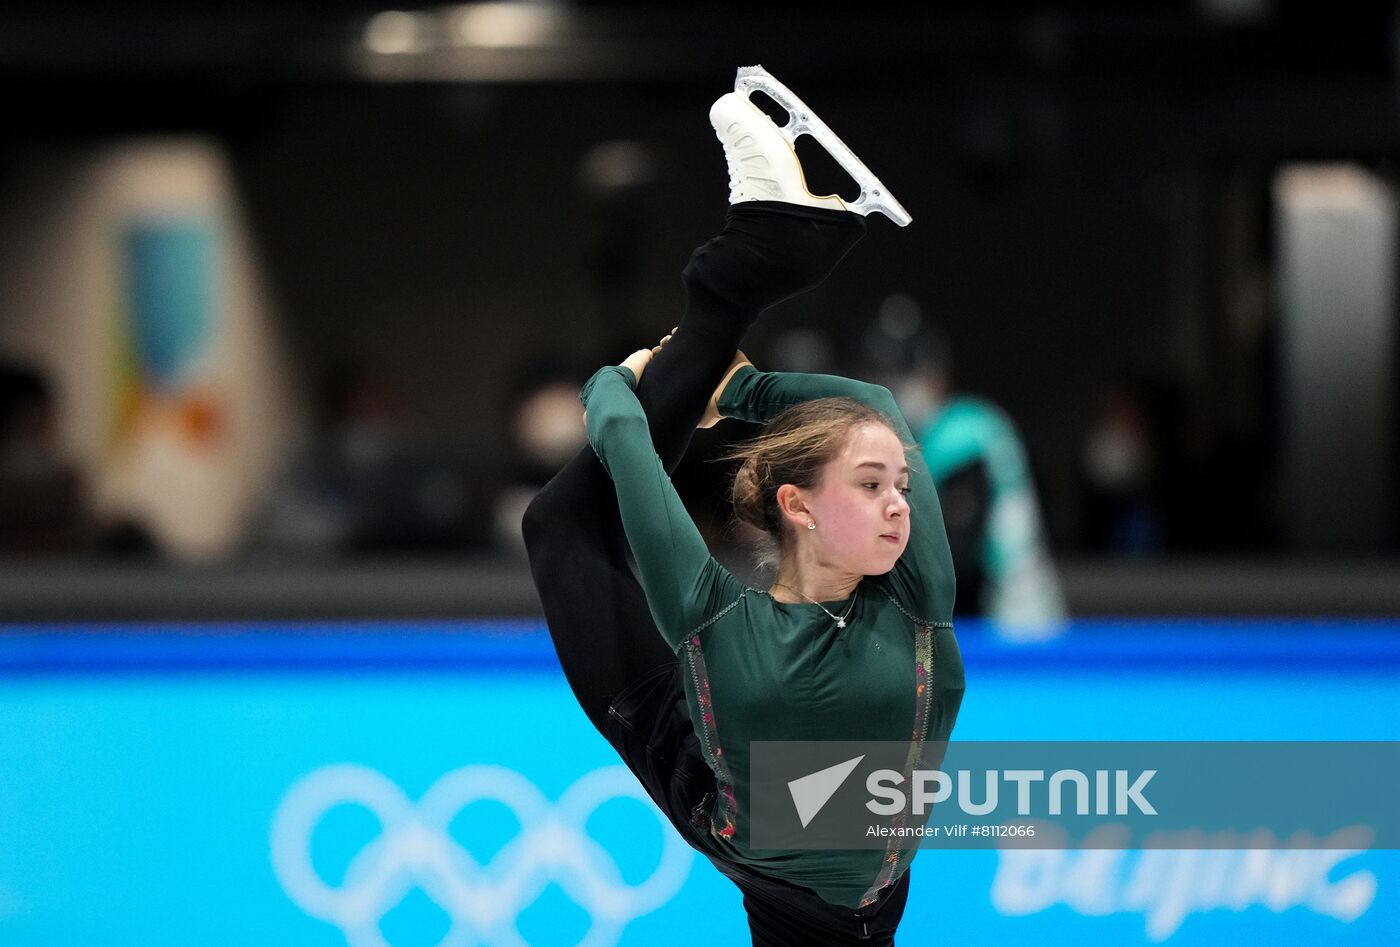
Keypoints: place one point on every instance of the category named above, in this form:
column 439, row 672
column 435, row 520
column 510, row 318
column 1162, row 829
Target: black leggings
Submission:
column 593, row 604
column 620, row 669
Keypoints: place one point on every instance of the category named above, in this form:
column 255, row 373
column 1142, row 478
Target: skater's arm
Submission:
column 759, row 397
column 682, row 581
column 922, row 580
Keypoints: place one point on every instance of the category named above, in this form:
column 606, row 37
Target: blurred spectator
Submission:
column 41, row 494
column 1118, row 476
column 362, row 483
column 546, row 431
column 619, row 179
column 1004, row 570
column 805, row 349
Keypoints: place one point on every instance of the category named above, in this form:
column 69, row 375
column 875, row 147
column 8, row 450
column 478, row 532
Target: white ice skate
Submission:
column 763, row 164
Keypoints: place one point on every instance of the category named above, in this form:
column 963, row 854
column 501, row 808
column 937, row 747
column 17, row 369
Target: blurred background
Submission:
column 295, row 301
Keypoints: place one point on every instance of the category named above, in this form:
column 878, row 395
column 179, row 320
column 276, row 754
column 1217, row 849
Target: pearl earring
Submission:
column 811, row 525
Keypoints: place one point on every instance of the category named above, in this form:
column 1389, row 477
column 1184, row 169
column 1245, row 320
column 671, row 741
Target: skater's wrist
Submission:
column 602, row 377
column 730, row 400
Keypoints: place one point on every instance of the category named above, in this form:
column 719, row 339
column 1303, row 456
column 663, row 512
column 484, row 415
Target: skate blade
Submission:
column 874, row 196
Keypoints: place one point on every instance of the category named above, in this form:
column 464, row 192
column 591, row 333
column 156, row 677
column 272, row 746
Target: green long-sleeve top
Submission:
column 759, row 669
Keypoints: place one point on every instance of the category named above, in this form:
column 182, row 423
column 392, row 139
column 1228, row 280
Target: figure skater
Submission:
column 853, row 641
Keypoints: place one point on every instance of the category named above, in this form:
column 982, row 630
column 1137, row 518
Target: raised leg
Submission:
column 768, row 251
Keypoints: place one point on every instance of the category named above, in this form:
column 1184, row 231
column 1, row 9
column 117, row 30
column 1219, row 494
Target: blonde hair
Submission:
column 793, row 448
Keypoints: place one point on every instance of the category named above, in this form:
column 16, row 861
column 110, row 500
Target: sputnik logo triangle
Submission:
column 811, row 792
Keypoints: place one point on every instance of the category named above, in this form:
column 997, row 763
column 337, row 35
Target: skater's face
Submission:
column 860, row 504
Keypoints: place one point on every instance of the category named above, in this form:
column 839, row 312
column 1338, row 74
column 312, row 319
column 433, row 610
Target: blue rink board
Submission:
column 258, row 784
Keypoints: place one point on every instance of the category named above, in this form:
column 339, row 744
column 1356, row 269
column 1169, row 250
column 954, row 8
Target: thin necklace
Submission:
column 839, row 619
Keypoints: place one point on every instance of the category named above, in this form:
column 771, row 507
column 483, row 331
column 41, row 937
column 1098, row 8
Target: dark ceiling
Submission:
column 260, row 41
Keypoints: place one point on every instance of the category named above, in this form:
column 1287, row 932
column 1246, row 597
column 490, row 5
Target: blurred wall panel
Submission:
column 133, row 284
column 1336, row 225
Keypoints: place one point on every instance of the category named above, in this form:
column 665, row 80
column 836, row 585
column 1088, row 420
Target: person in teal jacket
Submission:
column 681, row 665
column 1005, row 572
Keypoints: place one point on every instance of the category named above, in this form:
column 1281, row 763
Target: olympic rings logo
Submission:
column 414, row 848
